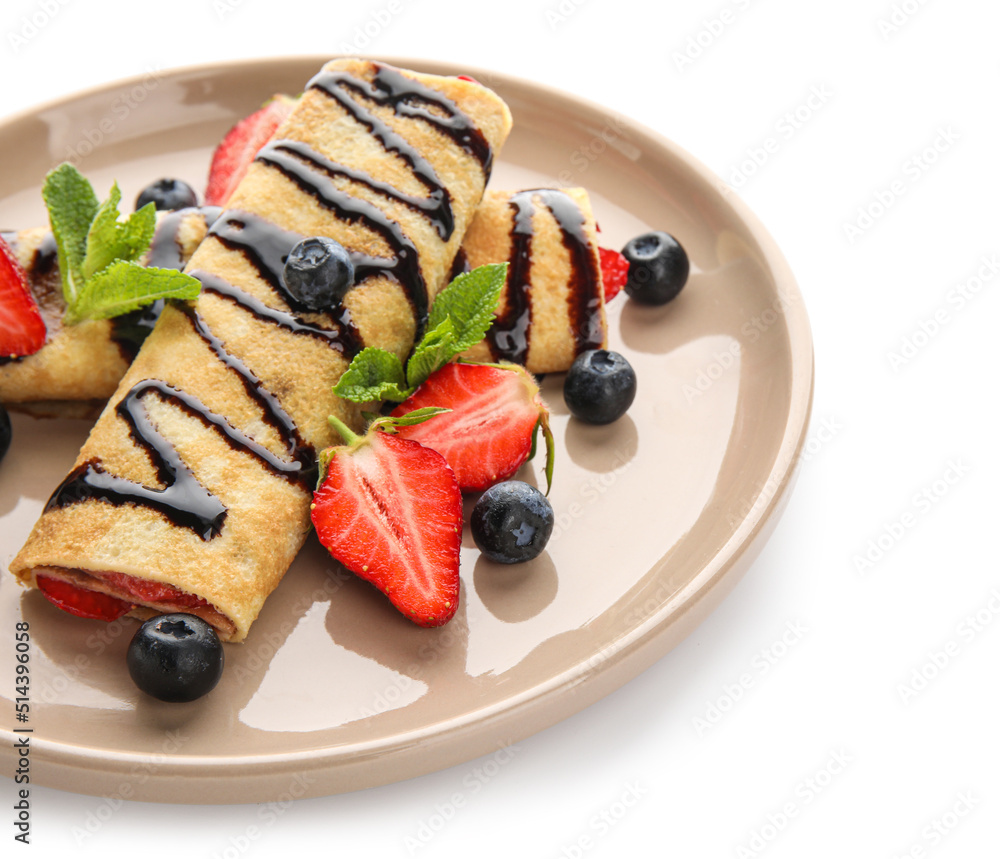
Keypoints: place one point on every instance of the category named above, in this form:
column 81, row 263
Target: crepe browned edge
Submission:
column 77, row 362
column 552, row 344
column 267, row 516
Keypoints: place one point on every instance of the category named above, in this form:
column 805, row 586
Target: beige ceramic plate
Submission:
column 658, row 514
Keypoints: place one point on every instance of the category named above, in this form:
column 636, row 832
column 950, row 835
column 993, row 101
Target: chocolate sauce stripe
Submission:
column 404, row 265
column 183, row 500
column 390, row 87
column 436, row 207
column 165, row 249
column 510, row 336
column 274, row 414
column 344, row 338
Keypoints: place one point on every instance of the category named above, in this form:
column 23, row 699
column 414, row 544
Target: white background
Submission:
column 829, row 732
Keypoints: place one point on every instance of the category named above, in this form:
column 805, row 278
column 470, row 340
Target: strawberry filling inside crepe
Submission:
column 107, row 596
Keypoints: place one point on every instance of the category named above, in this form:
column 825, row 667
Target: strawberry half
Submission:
column 614, row 272
column 489, row 432
column 390, row 511
column 240, row 146
column 81, row 601
column 22, row 329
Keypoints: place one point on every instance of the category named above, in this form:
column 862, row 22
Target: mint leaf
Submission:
column 110, row 239
column 72, row 205
column 470, row 301
column 459, row 318
column 126, row 286
column 374, row 374
column 434, row 351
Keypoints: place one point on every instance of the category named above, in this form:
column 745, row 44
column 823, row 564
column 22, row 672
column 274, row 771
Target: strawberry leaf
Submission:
column 374, row 374
column 550, row 451
column 550, row 448
column 391, row 423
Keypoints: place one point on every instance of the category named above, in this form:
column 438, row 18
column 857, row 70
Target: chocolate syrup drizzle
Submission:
column 389, row 86
column 510, row 336
column 403, row 265
column 165, row 250
column 130, row 330
column 183, row 500
column 436, row 206
column 345, row 338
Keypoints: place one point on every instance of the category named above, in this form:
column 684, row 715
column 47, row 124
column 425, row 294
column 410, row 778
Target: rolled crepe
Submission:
column 552, row 305
column 84, row 363
column 559, row 291
column 198, row 474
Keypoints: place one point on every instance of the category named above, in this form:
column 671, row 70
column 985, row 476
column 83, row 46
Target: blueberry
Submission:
column 175, row 657
column 5, row 432
column 511, row 522
column 167, row 194
column 599, row 387
column 319, row 272
column 658, row 268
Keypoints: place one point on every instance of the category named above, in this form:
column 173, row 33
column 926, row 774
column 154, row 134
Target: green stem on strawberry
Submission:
column 349, row 436
column 550, row 450
column 387, row 424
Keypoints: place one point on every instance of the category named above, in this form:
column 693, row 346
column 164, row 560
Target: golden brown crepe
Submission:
column 85, row 362
column 552, row 306
column 198, row 474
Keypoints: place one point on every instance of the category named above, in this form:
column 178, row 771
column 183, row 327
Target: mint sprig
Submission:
column 99, row 251
column 459, row 318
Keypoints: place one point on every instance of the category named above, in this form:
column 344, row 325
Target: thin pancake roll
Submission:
column 80, row 365
column 192, row 492
column 552, row 305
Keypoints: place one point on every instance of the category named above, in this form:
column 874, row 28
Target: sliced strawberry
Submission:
column 614, row 272
column 240, row 146
column 145, row 590
column 390, row 511
column 490, row 431
column 81, row 601
column 22, row 329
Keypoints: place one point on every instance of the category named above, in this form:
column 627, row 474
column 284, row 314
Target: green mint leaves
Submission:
column 109, row 239
column 99, row 251
column 374, row 374
column 459, row 318
column 126, row 286
column 72, row 207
